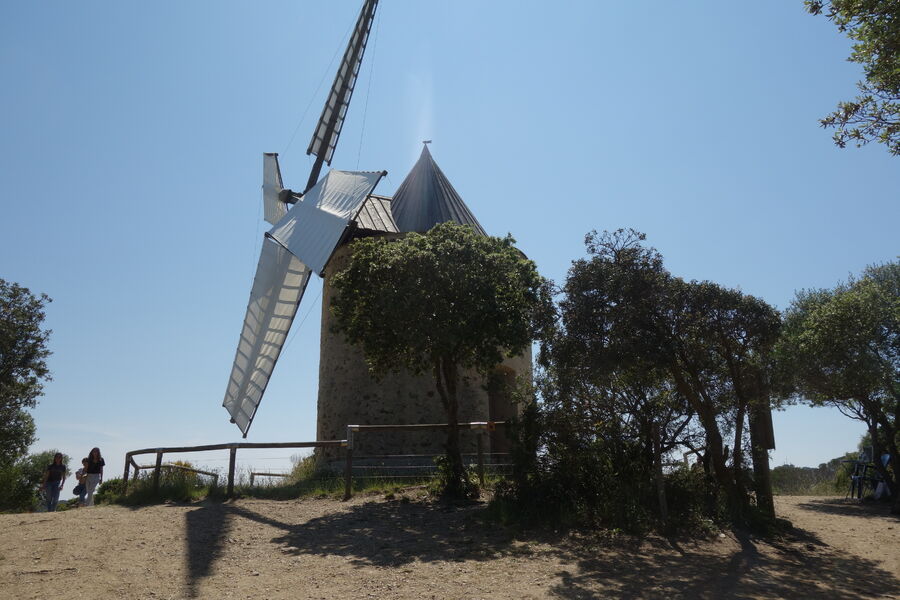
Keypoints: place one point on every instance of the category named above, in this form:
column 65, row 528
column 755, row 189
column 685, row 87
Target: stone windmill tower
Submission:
column 347, row 392
column 310, row 234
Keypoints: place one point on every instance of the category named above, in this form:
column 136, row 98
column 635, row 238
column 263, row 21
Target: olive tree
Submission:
column 842, row 346
column 440, row 303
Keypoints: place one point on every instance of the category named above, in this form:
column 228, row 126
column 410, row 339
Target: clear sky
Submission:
column 131, row 141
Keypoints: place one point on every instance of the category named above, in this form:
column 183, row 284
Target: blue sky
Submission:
column 131, row 141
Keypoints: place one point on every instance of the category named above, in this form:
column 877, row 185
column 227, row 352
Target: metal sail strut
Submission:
column 301, row 240
column 328, row 130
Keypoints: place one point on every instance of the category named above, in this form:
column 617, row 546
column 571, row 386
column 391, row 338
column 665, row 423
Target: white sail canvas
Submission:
column 313, row 227
column 277, row 290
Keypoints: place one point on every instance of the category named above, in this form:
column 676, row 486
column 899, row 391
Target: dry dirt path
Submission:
column 376, row 548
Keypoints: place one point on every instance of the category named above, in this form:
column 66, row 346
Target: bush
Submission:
column 17, row 493
column 19, row 481
column 566, row 473
column 444, row 485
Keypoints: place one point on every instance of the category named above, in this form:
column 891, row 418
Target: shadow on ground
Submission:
column 206, row 529
column 394, row 534
column 800, row 566
column 850, row 507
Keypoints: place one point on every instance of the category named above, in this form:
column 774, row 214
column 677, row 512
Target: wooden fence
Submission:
column 352, row 430
column 232, row 448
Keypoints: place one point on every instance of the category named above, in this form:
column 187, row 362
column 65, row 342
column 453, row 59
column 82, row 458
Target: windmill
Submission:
column 302, row 238
column 310, row 232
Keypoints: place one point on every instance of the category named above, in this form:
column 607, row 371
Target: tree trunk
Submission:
column 446, row 376
column 759, row 445
column 658, row 472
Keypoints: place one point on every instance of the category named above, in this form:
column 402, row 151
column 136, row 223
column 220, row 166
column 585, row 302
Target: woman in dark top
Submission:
column 54, row 478
column 94, row 474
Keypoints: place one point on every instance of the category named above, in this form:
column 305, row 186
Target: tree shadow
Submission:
column 851, row 508
column 392, row 534
column 800, row 566
column 395, row 534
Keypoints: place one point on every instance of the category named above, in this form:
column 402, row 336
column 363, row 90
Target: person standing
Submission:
column 54, row 478
column 93, row 474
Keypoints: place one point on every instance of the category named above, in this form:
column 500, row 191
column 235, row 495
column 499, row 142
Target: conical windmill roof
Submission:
column 426, row 198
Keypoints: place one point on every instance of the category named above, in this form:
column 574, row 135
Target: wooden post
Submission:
column 251, row 479
column 159, row 456
column 480, row 438
column 348, row 474
column 125, row 476
column 231, row 461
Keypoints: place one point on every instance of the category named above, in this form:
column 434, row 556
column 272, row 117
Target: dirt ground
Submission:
column 371, row 547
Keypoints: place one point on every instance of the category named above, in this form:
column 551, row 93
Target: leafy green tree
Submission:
column 603, row 370
column 842, row 347
column 874, row 26
column 440, row 302
column 23, row 366
column 684, row 349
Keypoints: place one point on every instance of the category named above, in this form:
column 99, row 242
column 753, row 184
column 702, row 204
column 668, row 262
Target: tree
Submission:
column 874, row 26
column 23, row 366
column 440, row 302
column 604, row 372
column 683, row 349
column 842, row 347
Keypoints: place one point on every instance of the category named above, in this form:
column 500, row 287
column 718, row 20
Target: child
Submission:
column 81, row 477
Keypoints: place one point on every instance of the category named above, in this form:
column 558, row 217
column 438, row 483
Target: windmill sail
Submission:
column 328, row 130
column 300, row 243
column 273, row 206
column 312, row 229
column 302, row 240
column 277, row 290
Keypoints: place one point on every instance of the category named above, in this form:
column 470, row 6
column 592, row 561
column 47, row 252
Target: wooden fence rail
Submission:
column 348, row 444
column 232, row 448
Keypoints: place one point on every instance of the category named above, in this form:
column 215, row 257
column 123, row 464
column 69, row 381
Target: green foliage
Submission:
column 440, row 302
column 842, row 347
column 19, row 480
column 16, row 494
column 23, row 366
column 599, row 480
column 448, row 293
column 825, row 480
column 304, row 469
column 650, row 362
column 874, row 27
column 443, row 481
column 109, row 491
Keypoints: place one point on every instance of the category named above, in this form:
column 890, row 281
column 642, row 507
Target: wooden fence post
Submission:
column 159, row 456
column 231, row 461
column 348, row 474
column 125, row 476
column 480, row 438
